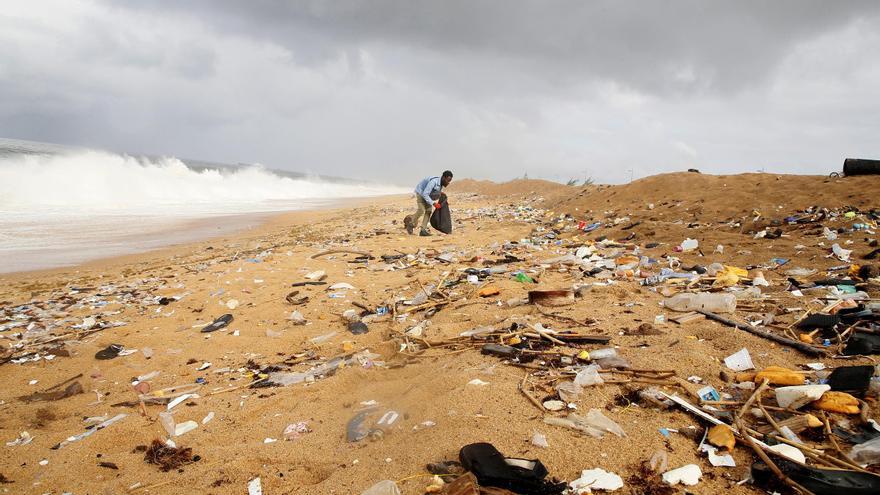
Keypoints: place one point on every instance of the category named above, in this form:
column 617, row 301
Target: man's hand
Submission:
column 437, row 205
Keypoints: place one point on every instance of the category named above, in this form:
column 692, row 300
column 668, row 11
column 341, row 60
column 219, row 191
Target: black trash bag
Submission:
column 819, row 481
column 517, row 475
column 862, row 344
column 851, row 379
column 819, row 320
column 860, row 433
column 441, row 219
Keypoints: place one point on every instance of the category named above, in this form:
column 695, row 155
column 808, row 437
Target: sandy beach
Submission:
column 438, row 409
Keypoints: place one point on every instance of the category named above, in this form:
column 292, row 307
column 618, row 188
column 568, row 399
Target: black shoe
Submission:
column 424, row 233
column 218, row 324
column 110, row 352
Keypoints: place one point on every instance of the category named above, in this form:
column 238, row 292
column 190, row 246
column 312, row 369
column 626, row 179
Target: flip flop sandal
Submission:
column 296, row 301
column 303, row 284
column 110, row 352
column 218, row 323
column 519, row 475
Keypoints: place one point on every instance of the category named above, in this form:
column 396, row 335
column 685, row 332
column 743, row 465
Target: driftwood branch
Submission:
column 805, row 348
column 335, row 251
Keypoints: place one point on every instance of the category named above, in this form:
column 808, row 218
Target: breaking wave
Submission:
column 97, row 182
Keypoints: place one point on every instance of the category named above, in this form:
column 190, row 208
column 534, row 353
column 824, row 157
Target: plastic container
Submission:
column 608, row 352
column 589, row 376
column 689, row 245
column 716, row 303
column 385, row 487
column 167, row 421
column 866, row 453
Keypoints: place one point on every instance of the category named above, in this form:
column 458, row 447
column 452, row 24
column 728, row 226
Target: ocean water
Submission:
column 60, row 206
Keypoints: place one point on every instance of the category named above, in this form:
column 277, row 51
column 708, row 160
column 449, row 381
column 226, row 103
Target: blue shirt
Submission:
column 427, row 186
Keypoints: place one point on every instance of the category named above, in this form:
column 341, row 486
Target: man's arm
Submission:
column 426, row 192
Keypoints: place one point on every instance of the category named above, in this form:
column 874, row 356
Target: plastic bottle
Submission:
column 716, row 303
column 689, row 244
column 167, row 421
column 866, row 453
column 714, row 268
column 385, row 487
column 603, row 353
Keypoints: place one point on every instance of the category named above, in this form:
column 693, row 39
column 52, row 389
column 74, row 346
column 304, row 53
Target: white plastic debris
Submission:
column 24, row 438
column 384, row 487
column 185, row 427
column 232, row 303
column 255, row 487
column 799, row 395
column 341, row 286
column 539, row 440
column 722, row 460
column 790, row 452
column 689, row 244
column 177, row 400
column 296, row 430
column 588, row 376
column 759, row 280
column 554, row 405
column 596, row 479
column 842, row 254
column 866, row 452
column 297, row 318
column 477, row 381
column 687, row 475
column 207, row 419
column 740, row 360
column 314, row 276
column 594, row 423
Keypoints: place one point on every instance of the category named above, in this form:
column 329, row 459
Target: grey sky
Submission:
column 395, row 90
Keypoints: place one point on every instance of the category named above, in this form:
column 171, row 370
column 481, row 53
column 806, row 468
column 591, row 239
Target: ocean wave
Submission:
column 100, row 182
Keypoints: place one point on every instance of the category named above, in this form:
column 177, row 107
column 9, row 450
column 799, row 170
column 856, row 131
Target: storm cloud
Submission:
column 395, row 90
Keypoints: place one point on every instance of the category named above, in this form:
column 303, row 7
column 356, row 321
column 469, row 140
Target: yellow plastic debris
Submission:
column 729, row 276
column 779, row 376
column 722, row 436
column 745, row 377
column 805, row 337
column 626, row 260
column 839, row 402
column 489, row 291
column 813, row 421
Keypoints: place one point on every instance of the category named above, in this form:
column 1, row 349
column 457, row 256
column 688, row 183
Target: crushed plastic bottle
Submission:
column 589, row 375
column 716, row 303
column 384, row 487
column 689, row 245
column 605, row 353
column 167, row 421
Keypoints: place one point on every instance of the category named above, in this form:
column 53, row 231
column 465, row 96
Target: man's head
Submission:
column 446, row 178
